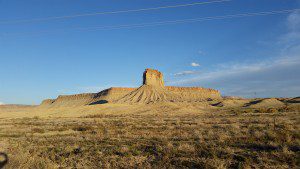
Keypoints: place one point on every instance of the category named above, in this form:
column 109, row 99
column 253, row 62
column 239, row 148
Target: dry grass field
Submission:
column 164, row 135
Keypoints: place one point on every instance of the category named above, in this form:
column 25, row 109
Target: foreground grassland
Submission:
column 152, row 137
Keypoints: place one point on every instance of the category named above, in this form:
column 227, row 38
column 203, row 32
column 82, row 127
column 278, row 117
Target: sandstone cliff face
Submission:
column 111, row 94
column 107, row 95
column 153, row 77
column 195, row 93
column 146, row 94
column 47, row 102
column 152, row 90
column 69, row 100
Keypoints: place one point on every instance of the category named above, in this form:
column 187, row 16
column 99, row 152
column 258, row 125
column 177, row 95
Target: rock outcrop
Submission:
column 195, row 93
column 47, row 102
column 149, row 94
column 153, row 90
column 153, row 77
column 110, row 95
column 105, row 96
column 69, row 100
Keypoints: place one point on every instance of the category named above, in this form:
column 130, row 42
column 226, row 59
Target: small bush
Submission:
column 272, row 110
column 38, row 130
column 82, row 128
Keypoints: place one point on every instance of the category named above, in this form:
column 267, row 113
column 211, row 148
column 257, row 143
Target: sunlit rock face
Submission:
column 153, row 90
column 153, row 77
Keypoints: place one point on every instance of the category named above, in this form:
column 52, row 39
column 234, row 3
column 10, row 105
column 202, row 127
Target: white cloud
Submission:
column 293, row 21
column 183, row 73
column 200, row 52
column 231, row 69
column 293, row 25
column 274, row 77
column 1, row 103
column 195, row 64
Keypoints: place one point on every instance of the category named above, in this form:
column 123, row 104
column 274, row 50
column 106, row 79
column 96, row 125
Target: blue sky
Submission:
column 256, row 56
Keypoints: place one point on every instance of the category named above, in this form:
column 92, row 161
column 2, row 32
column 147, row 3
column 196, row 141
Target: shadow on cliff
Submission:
column 3, row 159
column 99, row 102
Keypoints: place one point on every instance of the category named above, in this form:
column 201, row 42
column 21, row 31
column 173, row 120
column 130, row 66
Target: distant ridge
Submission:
column 265, row 103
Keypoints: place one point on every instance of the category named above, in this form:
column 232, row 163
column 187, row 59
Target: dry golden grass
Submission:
column 165, row 135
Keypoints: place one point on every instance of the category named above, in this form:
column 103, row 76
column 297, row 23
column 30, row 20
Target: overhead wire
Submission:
column 110, row 12
column 160, row 23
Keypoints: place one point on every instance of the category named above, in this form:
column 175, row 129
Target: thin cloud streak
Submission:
column 183, row 73
column 279, row 77
column 229, row 70
column 275, row 77
column 293, row 21
column 194, row 64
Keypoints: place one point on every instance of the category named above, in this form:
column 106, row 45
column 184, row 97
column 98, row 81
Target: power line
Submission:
column 192, row 20
column 128, row 26
column 111, row 12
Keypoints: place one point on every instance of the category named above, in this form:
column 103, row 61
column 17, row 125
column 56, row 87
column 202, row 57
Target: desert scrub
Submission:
column 82, row 128
column 217, row 139
column 37, row 130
